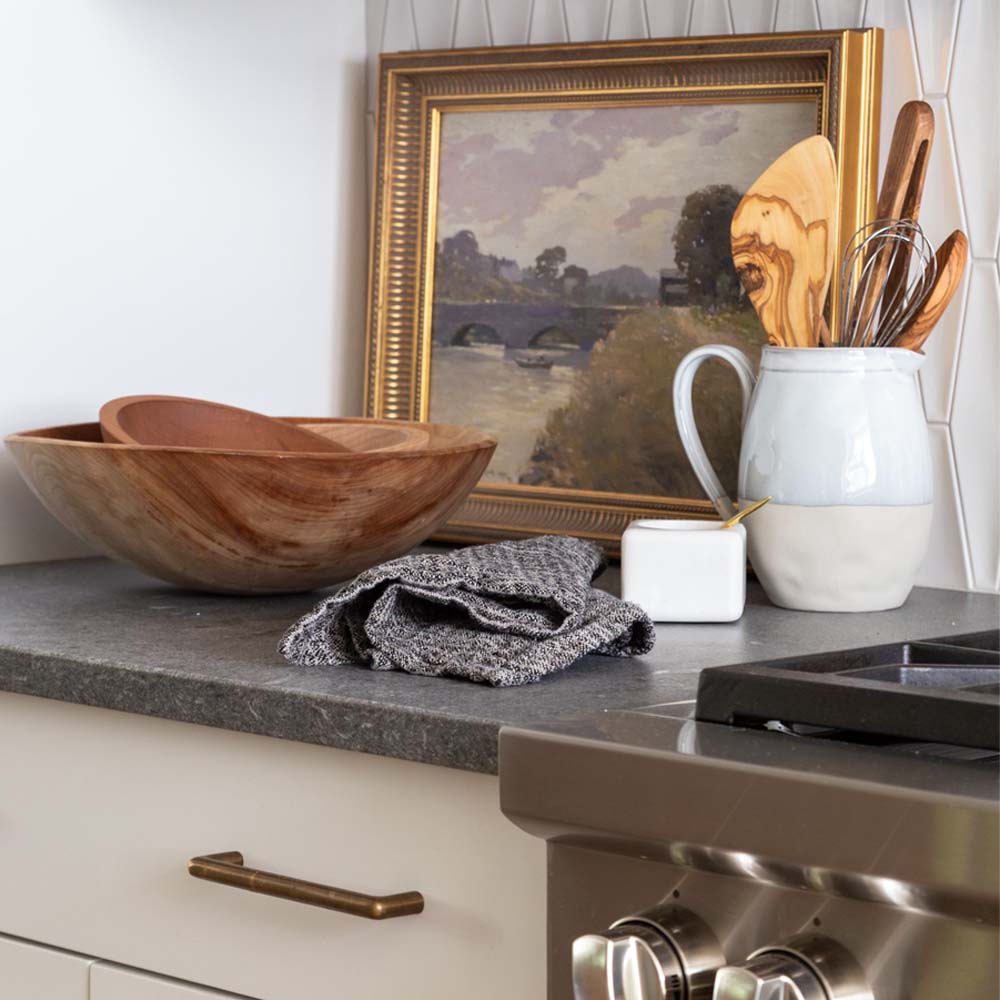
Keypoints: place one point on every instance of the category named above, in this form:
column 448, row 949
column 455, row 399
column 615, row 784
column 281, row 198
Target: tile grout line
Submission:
column 967, row 282
column 958, row 175
column 381, row 29
column 916, row 50
column 954, row 45
column 959, row 341
column 489, row 23
column 530, row 23
column 958, row 161
column 565, row 19
column 413, row 24
column 914, row 54
column 963, row 527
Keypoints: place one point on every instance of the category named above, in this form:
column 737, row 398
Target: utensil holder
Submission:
column 837, row 437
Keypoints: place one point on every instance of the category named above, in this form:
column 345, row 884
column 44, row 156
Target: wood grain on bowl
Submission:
column 363, row 434
column 251, row 522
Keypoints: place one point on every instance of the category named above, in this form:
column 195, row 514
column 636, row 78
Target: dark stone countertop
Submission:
column 98, row 633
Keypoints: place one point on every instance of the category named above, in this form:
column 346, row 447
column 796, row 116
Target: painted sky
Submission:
column 607, row 183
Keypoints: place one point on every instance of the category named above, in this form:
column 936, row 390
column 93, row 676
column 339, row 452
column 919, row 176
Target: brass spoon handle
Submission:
column 746, row 512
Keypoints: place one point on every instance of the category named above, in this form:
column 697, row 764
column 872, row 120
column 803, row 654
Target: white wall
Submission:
column 182, row 210
column 944, row 51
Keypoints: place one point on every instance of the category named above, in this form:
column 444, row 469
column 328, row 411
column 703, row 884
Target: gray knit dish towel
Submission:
column 505, row 614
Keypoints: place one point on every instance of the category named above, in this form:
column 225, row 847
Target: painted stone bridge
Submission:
column 520, row 325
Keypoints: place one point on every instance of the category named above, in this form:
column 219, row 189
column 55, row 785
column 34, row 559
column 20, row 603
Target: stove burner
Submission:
column 942, row 691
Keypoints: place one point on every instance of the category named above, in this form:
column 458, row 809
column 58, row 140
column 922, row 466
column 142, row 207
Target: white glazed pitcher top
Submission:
column 832, row 427
column 841, row 359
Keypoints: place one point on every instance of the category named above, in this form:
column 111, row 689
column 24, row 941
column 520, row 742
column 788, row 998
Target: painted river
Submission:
column 481, row 385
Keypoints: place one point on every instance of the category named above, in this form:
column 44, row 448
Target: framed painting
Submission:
column 550, row 236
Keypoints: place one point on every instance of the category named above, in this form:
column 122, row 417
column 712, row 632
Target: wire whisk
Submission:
column 887, row 272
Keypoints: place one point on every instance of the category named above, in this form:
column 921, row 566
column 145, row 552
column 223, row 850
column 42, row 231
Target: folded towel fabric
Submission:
column 505, row 614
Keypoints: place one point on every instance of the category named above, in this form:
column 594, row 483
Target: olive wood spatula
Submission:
column 783, row 242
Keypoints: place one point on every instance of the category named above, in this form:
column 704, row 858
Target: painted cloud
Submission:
column 606, row 183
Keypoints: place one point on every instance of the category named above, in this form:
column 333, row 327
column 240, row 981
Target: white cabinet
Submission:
column 100, row 812
column 112, row 982
column 30, row 972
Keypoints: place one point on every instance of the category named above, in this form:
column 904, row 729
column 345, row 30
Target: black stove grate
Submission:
column 935, row 691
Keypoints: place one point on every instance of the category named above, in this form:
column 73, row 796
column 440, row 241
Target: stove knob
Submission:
column 662, row 954
column 770, row 976
column 806, row 968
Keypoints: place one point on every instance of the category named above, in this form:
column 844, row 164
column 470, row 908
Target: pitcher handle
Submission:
column 684, row 414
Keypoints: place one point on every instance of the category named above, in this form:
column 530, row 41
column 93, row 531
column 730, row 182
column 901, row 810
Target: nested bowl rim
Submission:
column 42, row 435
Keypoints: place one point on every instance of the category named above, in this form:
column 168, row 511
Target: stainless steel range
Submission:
column 815, row 829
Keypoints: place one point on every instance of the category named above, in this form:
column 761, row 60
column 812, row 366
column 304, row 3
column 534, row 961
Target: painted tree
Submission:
column 702, row 247
column 458, row 274
column 573, row 280
column 547, row 265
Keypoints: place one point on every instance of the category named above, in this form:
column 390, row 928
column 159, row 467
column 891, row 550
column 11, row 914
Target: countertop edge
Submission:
column 441, row 740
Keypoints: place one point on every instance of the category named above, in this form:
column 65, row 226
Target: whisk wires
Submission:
column 887, row 272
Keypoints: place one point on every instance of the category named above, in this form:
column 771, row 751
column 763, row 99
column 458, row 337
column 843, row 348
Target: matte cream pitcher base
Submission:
column 842, row 558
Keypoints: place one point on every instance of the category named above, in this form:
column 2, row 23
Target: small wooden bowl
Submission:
column 240, row 522
column 177, row 421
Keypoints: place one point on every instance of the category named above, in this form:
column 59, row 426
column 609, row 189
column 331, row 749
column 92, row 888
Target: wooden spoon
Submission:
column 782, row 236
column 899, row 198
column 196, row 423
column 951, row 257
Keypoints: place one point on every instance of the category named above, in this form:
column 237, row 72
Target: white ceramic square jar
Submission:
column 685, row 571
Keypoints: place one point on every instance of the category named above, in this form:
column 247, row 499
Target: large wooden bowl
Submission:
column 252, row 522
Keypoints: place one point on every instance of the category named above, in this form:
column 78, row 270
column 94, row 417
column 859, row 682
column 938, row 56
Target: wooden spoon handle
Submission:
column 899, row 198
column 906, row 166
column 951, row 257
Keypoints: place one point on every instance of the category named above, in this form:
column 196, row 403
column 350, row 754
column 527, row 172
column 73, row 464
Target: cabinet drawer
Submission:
column 31, row 972
column 111, row 982
column 100, row 812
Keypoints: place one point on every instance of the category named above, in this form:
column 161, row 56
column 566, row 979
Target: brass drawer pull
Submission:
column 228, row 869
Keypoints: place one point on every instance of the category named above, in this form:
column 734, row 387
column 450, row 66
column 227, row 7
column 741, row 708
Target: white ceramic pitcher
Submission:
column 837, row 437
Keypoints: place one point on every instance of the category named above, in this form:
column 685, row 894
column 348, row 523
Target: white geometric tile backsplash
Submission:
column 944, row 51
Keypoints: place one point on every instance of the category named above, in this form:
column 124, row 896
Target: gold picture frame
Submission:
column 840, row 70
